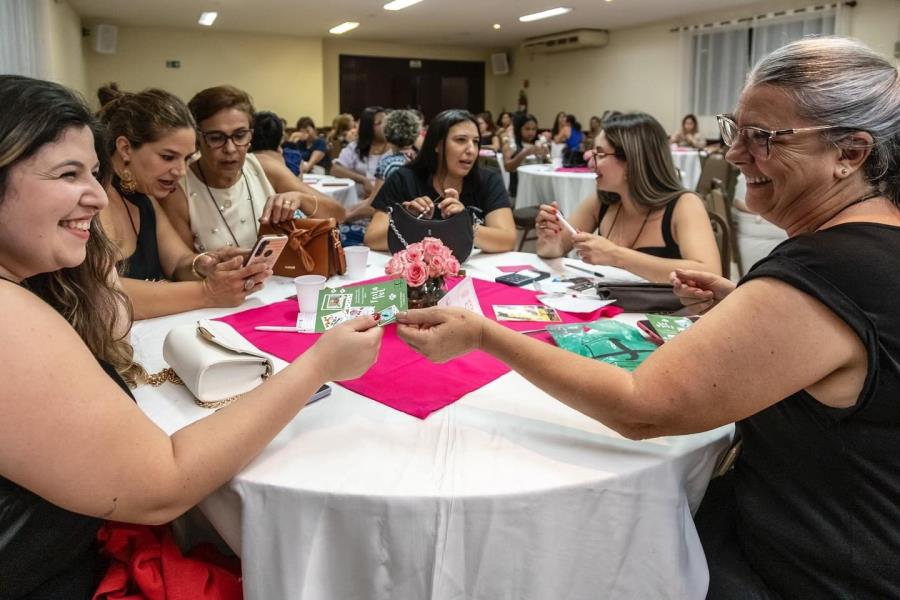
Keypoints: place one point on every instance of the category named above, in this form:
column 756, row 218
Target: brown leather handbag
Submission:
column 314, row 247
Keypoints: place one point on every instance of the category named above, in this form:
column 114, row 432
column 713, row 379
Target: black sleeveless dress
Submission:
column 47, row 552
column 671, row 249
column 144, row 262
column 810, row 509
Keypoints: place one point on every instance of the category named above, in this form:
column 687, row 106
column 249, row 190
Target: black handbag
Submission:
column 641, row 297
column 455, row 232
column 573, row 157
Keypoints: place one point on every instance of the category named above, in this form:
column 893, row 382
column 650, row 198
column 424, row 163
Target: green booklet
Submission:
column 606, row 340
column 667, row 326
column 336, row 305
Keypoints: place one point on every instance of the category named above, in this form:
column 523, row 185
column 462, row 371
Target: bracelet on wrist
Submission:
column 194, row 270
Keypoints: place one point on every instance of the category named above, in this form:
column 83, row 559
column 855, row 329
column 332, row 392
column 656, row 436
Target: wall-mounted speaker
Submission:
column 499, row 64
column 105, row 38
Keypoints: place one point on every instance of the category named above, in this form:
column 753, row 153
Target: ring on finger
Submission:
column 248, row 284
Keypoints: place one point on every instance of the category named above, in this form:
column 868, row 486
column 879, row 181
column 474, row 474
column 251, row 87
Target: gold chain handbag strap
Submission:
column 169, row 375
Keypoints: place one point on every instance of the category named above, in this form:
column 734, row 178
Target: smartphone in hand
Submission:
column 269, row 247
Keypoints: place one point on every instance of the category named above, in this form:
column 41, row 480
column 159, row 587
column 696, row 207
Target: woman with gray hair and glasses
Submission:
column 804, row 354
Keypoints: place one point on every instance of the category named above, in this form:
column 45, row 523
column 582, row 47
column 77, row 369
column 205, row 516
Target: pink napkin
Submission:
column 401, row 378
column 514, row 268
column 574, row 170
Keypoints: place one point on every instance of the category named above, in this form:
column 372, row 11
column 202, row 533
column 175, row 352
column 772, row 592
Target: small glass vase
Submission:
column 426, row 294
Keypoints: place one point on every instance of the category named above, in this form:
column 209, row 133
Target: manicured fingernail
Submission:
column 376, row 316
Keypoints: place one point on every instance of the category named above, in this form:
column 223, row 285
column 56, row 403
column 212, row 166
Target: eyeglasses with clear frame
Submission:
column 217, row 139
column 759, row 140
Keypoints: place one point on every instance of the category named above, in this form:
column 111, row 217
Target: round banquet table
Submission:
column 687, row 160
column 506, row 493
column 341, row 189
column 541, row 184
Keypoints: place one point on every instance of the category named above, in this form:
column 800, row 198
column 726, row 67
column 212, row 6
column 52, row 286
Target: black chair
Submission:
column 525, row 218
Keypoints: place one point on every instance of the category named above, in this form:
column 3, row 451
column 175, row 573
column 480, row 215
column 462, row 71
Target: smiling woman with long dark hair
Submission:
column 443, row 180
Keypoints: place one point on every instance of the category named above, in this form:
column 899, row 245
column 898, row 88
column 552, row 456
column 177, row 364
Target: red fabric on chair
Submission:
column 146, row 564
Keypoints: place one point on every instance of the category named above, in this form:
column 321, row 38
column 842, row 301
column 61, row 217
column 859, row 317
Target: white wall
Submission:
column 61, row 35
column 643, row 68
column 282, row 73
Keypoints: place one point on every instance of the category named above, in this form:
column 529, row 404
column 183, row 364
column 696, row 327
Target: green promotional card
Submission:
column 606, row 340
column 336, row 305
column 668, row 326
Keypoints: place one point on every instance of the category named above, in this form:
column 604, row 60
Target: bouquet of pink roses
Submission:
column 428, row 259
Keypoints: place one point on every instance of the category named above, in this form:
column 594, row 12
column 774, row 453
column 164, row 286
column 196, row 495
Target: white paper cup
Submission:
column 308, row 287
column 357, row 256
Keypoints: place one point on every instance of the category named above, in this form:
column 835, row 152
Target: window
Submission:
column 20, row 51
column 721, row 57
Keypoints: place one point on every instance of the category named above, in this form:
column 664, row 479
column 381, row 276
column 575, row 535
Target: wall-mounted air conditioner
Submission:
column 567, row 40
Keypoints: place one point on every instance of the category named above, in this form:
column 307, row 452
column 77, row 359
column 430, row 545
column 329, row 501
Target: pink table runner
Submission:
column 574, row 170
column 424, row 387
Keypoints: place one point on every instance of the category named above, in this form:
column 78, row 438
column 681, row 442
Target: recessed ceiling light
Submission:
column 546, row 14
column 496, row 25
column 343, row 27
column 207, row 18
column 400, row 4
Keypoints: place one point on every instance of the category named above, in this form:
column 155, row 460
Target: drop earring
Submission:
column 128, row 182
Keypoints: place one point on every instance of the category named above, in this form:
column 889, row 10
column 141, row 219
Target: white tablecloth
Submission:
column 688, row 161
column 541, row 184
column 341, row 189
column 505, row 494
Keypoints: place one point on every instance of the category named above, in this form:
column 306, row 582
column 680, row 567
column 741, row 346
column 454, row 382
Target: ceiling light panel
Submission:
column 343, row 27
column 207, row 18
column 400, row 4
column 545, row 14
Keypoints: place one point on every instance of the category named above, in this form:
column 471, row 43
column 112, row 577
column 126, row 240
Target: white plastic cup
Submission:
column 308, row 287
column 357, row 257
column 556, row 162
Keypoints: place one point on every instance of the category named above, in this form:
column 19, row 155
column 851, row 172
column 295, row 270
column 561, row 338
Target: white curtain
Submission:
column 719, row 66
column 20, row 50
column 720, row 57
column 771, row 34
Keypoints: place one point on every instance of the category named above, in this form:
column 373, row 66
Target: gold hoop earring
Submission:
column 127, row 181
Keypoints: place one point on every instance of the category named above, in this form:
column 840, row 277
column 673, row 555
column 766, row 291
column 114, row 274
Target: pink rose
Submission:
column 432, row 246
column 436, row 266
column 395, row 265
column 451, row 266
column 414, row 252
column 416, row 273
column 446, row 253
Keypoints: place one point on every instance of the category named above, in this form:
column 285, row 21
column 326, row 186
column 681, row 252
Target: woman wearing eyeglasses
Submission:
column 225, row 194
column 804, row 354
column 150, row 139
column 641, row 219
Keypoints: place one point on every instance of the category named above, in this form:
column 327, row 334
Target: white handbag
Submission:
column 214, row 361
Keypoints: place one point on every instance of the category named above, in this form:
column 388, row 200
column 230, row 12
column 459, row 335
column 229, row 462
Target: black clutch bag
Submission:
column 641, row 297
column 456, row 232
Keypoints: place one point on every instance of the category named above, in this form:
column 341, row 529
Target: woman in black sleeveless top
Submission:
column 804, row 354
column 76, row 449
column 151, row 137
column 645, row 221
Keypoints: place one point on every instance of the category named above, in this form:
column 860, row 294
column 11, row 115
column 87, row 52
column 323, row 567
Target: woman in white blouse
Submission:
column 225, row 194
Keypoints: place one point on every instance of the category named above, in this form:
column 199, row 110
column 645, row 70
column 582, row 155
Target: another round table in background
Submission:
column 341, row 189
column 687, row 160
column 542, row 184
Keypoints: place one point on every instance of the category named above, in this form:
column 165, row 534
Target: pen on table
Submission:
column 276, row 328
column 583, row 270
